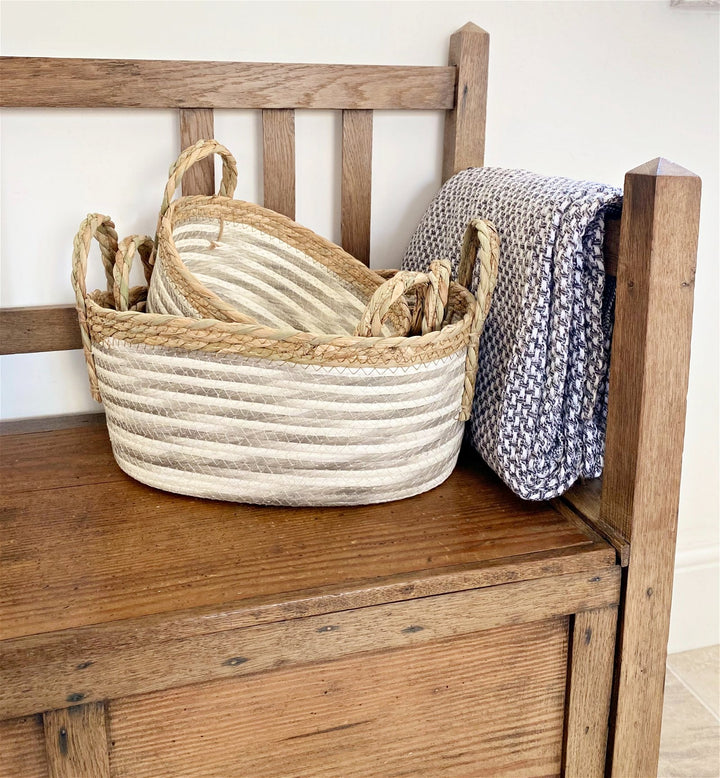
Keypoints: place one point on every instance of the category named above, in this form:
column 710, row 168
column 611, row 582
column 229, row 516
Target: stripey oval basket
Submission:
column 232, row 260
column 246, row 412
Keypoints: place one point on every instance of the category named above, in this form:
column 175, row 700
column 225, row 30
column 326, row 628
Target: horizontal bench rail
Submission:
column 47, row 82
column 55, row 328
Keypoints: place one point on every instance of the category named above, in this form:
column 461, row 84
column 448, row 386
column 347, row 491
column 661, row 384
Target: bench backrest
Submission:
column 459, row 89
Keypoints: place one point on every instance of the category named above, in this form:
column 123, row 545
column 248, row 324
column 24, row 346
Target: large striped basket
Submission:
column 250, row 412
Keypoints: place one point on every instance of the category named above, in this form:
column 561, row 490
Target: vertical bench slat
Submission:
column 357, row 129
column 196, row 124
column 76, row 741
column 279, row 160
column 464, row 144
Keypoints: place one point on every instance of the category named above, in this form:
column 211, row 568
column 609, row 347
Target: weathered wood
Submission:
column 46, row 328
column 464, row 144
column 356, row 183
column 71, row 421
column 22, row 748
column 646, row 420
column 590, row 680
column 197, row 124
column 584, row 500
column 611, row 246
column 76, row 742
column 95, row 664
column 279, row 160
column 45, row 82
column 468, row 523
column 440, row 708
column 74, row 455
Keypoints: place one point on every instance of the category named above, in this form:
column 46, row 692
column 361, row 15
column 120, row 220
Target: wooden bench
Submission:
column 462, row 632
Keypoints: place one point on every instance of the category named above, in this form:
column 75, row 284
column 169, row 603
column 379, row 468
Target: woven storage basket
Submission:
column 231, row 260
column 248, row 412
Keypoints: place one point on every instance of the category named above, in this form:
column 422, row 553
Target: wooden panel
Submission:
column 76, row 456
column 76, row 742
column 464, row 144
column 49, row 328
column 197, row 124
column 356, row 183
column 22, row 748
column 484, row 705
column 611, row 246
column 279, row 161
column 583, row 499
column 43, row 82
column 641, row 482
column 591, row 675
column 135, row 550
column 55, row 671
column 47, row 424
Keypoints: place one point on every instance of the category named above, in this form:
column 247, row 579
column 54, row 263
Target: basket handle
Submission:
column 481, row 243
column 125, row 297
column 191, row 155
column 432, row 288
column 102, row 228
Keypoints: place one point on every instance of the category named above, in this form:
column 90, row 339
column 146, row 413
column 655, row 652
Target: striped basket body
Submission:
column 232, row 427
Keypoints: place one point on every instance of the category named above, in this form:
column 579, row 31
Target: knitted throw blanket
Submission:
column 541, row 399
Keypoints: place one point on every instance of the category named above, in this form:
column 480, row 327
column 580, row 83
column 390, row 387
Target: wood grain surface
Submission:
column 583, row 500
column 197, row 124
column 134, row 551
column 646, row 422
column 588, row 703
column 279, row 160
column 52, row 423
column 357, row 127
column 439, row 708
column 44, row 328
column 76, row 742
column 611, row 246
column 42, row 672
column 464, row 144
column 45, row 82
column 22, row 748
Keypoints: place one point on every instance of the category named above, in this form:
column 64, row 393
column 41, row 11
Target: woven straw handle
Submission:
column 101, row 228
column 191, row 155
column 125, row 297
column 431, row 292
column 481, row 244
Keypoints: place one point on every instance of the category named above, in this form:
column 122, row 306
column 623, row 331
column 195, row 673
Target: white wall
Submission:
column 584, row 89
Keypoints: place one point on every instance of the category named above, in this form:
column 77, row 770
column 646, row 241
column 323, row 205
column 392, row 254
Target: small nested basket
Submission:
column 231, row 260
column 249, row 412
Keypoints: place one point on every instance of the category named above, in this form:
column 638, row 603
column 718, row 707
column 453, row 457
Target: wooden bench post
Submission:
column 646, row 423
column 464, row 144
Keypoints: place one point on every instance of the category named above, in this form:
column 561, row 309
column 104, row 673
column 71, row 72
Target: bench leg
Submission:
column 590, row 688
column 76, row 742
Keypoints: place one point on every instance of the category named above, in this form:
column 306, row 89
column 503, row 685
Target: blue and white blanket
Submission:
column 541, row 399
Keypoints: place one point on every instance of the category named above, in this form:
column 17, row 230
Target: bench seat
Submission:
column 115, row 591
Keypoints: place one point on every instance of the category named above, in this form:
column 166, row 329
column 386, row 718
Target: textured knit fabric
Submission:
column 541, row 399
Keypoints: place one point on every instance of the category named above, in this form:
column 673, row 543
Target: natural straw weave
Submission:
column 247, row 412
